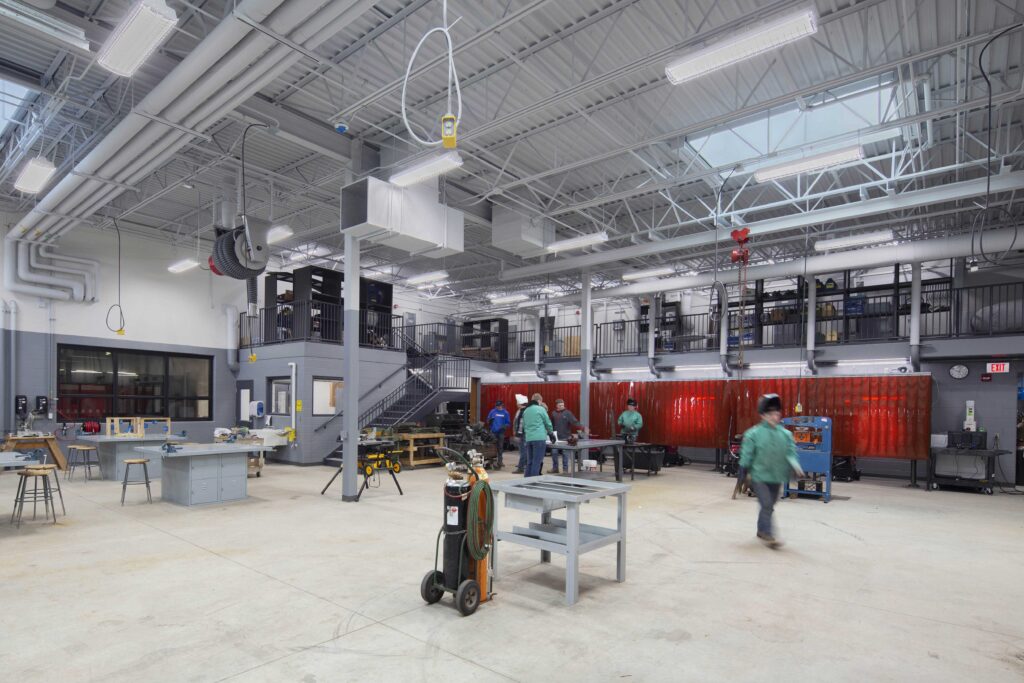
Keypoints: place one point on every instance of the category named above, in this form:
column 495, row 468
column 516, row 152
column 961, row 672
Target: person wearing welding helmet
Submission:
column 768, row 455
column 630, row 421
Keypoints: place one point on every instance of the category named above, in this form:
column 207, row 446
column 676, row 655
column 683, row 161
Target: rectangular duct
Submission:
column 519, row 234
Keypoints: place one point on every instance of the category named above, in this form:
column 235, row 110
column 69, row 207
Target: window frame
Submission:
column 312, row 395
column 115, row 396
column 269, row 404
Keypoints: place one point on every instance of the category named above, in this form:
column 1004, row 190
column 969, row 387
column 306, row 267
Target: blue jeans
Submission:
column 766, row 494
column 522, row 455
column 535, row 451
column 565, row 460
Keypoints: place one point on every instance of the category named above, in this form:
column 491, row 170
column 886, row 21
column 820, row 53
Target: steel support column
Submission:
column 350, row 373
column 586, row 332
column 915, row 316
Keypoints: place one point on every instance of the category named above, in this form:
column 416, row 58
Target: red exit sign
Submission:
column 998, row 368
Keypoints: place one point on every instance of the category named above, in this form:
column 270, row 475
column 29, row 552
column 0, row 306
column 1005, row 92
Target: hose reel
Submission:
column 241, row 253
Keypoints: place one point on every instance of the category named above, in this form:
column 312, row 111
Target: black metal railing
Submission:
column 561, row 342
column 520, row 345
column 675, row 334
column 432, row 338
column 316, row 321
column 425, row 382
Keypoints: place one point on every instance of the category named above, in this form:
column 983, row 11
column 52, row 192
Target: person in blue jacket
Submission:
column 498, row 421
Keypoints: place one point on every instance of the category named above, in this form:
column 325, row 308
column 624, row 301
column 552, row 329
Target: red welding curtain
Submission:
column 875, row 416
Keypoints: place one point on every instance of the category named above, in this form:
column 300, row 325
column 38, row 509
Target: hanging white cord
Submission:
column 453, row 77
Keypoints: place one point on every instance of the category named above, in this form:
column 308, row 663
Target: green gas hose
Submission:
column 480, row 531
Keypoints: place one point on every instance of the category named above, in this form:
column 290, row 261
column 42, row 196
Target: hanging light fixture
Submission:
column 183, row 265
column 428, row 168
column 139, row 34
column 816, row 162
column 35, row 175
column 578, row 242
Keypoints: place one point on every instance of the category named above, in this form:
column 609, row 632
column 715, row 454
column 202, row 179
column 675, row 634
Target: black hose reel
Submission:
column 241, row 253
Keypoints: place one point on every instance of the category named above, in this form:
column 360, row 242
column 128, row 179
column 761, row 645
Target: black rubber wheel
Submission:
column 467, row 598
column 430, row 587
column 259, row 474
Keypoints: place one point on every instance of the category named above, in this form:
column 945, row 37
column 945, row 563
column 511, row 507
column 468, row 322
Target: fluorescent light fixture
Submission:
column 35, row 175
column 428, row 168
column 86, row 372
column 40, row 22
column 425, row 278
column 578, row 242
column 681, row 368
column 860, row 240
column 773, row 366
column 746, row 44
column 509, row 299
column 139, row 34
column 523, row 373
column 626, row 371
column 548, row 290
column 310, row 250
column 871, row 361
column 815, row 162
column 279, row 233
column 183, row 265
column 650, row 272
column 432, row 285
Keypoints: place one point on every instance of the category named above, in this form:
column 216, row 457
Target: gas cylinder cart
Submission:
column 466, row 534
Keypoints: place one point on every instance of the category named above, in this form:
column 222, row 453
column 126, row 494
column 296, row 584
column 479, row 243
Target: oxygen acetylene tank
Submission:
column 456, row 508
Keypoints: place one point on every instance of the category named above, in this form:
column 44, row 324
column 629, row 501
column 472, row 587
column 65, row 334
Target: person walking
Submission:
column 498, row 421
column 517, row 433
column 630, row 421
column 537, row 429
column 768, row 455
column 564, row 422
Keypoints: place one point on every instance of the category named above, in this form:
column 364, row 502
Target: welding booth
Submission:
column 876, row 416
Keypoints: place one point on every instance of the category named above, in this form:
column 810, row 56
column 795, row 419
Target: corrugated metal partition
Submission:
column 882, row 416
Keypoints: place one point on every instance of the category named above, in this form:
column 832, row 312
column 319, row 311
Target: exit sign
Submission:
column 997, row 368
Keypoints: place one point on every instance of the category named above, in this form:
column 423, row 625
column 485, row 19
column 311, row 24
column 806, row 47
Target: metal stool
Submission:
column 145, row 475
column 82, row 455
column 23, row 494
column 52, row 469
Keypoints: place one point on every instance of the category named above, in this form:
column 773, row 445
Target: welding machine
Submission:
column 813, row 439
column 467, row 534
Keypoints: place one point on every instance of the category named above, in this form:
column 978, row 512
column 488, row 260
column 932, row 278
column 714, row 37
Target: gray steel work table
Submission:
column 570, row 537
column 204, row 473
column 584, row 445
column 112, row 450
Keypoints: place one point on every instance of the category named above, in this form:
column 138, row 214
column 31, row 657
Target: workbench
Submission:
column 410, row 445
column 46, row 442
column 972, row 477
column 585, row 445
column 112, row 451
column 568, row 537
column 203, row 473
column 15, row 459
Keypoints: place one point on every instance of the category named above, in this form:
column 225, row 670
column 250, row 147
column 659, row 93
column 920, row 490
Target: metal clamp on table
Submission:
column 570, row 537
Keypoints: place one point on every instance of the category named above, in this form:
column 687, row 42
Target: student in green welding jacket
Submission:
column 768, row 455
column 537, row 429
column 630, row 422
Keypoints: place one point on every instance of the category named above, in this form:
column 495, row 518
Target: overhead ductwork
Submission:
column 518, row 234
column 230, row 65
column 996, row 242
column 1004, row 182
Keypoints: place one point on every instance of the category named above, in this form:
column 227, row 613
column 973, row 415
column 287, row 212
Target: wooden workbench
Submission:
column 410, row 446
column 49, row 443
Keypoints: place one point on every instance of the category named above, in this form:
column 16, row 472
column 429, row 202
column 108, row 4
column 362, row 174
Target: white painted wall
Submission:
column 186, row 309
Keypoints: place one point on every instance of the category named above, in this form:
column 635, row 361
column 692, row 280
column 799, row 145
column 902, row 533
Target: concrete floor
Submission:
column 890, row 584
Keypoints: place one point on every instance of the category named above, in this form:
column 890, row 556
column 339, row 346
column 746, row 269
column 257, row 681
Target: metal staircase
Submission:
column 431, row 381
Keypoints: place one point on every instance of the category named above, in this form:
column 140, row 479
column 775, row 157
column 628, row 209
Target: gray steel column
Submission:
column 586, row 332
column 350, row 373
column 915, row 316
column 812, row 322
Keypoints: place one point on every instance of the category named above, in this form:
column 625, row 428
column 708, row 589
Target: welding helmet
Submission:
column 631, row 402
column 768, row 403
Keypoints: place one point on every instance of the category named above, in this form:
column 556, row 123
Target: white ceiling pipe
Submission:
column 315, row 30
column 225, row 36
column 996, row 242
column 1004, row 182
column 12, row 284
column 75, row 290
column 36, row 261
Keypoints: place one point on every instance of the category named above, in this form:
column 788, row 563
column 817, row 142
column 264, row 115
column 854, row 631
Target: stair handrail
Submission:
column 417, row 377
column 379, row 384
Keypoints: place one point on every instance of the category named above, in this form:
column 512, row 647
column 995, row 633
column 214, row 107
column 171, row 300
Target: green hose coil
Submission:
column 480, row 532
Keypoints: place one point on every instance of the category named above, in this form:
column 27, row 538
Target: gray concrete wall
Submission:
column 380, row 373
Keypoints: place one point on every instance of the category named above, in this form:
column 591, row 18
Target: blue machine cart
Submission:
column 813, row 436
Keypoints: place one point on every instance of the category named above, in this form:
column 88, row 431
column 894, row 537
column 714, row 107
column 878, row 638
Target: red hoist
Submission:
column 741, row 255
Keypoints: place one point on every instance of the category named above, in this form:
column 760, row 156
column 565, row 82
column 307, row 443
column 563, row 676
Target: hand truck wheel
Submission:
column 430, row 587
column 467, row 597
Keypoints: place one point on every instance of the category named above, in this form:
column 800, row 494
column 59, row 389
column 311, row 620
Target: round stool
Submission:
column 82, row 455
column 145, row 477
column 23, row 494
column 52, row 469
